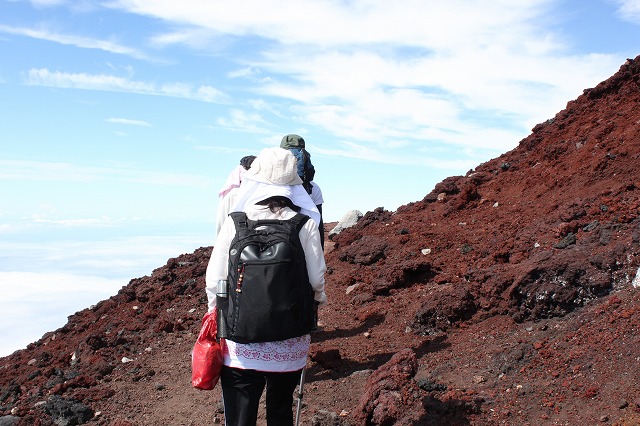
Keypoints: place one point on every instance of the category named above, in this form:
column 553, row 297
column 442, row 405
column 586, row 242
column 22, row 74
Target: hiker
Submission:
column 271, row 189
column 306, row 171
column 227, row 194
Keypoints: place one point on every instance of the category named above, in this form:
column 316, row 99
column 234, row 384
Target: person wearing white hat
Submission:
column 270, row 189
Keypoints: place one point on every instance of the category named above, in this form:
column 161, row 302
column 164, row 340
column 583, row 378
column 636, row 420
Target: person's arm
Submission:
column 318, row 200
column 314, row 255
column 218, row 266
column 321, row 226
column 220, row 214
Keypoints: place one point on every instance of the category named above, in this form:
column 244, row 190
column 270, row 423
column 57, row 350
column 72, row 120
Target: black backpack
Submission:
column 269, row 297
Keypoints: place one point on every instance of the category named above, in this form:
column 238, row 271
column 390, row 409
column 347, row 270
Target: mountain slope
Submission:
column 504, row 296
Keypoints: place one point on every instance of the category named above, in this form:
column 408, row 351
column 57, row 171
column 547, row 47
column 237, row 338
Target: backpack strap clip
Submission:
column 240, row 219
column 299, row 220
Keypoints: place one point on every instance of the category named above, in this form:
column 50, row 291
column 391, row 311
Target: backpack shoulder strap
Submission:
column 299, row 220
column 240, row 219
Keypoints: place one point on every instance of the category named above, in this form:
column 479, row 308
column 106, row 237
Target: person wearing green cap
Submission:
column 306, row 171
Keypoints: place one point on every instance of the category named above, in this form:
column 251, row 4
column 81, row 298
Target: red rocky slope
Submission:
column 503, row 297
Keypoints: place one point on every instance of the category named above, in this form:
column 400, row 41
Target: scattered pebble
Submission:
column 636, row 280
column 479, row 379
column 351, row 288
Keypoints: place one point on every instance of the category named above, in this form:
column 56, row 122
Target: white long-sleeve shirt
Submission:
column 225, row 204
column 285, row 355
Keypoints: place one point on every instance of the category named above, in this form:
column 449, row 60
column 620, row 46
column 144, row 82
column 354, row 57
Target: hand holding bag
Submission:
column 207, row 355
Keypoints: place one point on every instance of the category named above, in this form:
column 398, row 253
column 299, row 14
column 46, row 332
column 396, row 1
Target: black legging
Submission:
column 241, row 391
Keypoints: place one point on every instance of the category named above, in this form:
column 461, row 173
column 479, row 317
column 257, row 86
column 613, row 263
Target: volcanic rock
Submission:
column 504, row 296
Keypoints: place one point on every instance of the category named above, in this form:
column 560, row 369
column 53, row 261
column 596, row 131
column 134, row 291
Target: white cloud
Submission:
column 124, row 257
column 38, row 221
column 110, row 83
column 128, row 122
column 404, row 22
column 409, row 94
column 41, row 283
column 93, row 222
column 239, row 120
column 47, row 3
column 196, row 38
column 629, row 10
column 468, row 74
column 460, row 73
column 39, row 170
column 35, row 303
column 82, row 42
column 243, row 72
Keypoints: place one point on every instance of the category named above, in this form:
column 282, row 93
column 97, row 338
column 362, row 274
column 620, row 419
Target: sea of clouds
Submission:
column 42, row 283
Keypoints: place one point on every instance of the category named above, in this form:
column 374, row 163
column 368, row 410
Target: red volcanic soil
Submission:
column 504, row 297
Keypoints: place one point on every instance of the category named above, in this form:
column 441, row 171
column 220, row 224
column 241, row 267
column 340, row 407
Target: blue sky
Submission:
column 121, row 119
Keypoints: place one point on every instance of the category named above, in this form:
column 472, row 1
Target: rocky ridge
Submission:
column 505, row 296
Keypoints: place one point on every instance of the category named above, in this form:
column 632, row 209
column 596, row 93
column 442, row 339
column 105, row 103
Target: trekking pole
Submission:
column 300, row 394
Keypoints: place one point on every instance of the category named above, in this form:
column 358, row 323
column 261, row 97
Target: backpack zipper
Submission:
column 240, row 278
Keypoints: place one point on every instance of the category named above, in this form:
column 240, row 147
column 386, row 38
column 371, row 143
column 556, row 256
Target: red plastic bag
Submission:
column 207, row 355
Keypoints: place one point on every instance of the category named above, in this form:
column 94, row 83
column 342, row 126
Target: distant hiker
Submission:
column 227, row 194
column 307, row 172
column 271, row 191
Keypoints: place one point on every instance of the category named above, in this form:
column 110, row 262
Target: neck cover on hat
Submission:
column 252, row 191
column 233, row 181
